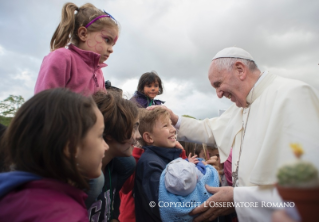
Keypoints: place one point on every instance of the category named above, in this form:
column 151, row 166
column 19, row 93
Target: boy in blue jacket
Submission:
column 159, row 141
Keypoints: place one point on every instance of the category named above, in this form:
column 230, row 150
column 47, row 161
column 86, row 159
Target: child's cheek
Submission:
column 94, row 43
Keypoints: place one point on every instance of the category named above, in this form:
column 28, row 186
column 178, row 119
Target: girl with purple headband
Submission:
column 83, row 40
column 80, row 45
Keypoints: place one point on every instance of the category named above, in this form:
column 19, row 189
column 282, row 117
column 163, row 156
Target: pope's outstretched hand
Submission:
column 174, row 117
column 217, row 205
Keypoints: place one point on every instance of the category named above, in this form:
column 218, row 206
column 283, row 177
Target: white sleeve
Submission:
column 196, row 131
column 178, row 124
column 256, row 203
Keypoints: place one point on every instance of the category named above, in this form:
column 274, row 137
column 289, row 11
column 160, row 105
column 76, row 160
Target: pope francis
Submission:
column 268, row 114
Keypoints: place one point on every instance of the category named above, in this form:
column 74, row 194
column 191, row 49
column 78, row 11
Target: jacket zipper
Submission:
column 95, row 79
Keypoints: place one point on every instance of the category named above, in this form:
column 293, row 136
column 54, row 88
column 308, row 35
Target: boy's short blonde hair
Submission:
column 148, row 119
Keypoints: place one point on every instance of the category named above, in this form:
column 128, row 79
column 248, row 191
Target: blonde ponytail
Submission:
column 65, row 29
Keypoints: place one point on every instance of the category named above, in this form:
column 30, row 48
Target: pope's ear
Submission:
column 82, row 33
column 147, row 137
column 242, row 70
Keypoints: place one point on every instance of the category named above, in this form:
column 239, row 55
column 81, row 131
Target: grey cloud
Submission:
column 177, row 39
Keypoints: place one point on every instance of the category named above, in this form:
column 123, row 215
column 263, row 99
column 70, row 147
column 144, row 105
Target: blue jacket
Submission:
column 200, row 165
column 148, row 172
column 143, row 101
column 183, row 205
column 10, row 180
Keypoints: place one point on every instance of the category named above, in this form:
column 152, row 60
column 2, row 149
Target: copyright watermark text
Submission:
column 223, row 204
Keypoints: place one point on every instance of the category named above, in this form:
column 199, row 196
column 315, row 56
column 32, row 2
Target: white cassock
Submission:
column 281, row 111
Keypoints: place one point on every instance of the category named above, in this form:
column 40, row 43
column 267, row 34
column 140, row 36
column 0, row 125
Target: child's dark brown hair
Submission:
column 43, row 127
column 148, row 78
column 119, row 115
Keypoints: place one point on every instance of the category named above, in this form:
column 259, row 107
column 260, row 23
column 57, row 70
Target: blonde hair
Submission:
column 148, row 119
column 66, row 31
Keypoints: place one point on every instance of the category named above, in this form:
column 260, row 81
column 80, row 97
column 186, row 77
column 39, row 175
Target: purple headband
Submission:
column 101, row 16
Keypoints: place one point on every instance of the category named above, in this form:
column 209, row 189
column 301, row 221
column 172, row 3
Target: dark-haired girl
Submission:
column 149, row 86
column 55, row 144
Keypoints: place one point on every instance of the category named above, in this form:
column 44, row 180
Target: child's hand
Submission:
column 192, row 159
column 214, row 161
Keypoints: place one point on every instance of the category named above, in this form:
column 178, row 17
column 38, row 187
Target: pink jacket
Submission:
column 72, row 68
column 44, row 200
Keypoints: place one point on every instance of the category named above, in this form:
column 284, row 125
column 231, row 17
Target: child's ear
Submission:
column 82, row 33
column 67, row 153
column 147, row 137
column 107, row 138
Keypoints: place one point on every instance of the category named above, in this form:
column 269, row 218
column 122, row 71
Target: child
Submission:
column 120, row 133
column 90, row 35
column 149, row 86
column 127, row 206
column 55, row 142
column 188, row 147
column 205, row 152
column 184, row 182
column 159, row 141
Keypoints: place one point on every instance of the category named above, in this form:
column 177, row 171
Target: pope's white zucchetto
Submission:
column 233, row 52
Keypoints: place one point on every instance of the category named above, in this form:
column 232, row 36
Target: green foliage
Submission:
column 297, row 174
column 9, row 107
column 5, row 120
column 189, row 116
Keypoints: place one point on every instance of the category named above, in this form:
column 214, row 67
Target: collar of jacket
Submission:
column 90, row 58
column 143, row 96
column 167, row 154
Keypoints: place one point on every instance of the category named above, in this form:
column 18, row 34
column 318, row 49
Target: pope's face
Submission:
column 227, row 83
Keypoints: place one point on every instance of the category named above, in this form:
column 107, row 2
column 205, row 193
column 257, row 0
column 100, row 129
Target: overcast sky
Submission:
column 176, row 38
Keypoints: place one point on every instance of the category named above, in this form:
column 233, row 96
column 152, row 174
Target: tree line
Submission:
column 9, row 107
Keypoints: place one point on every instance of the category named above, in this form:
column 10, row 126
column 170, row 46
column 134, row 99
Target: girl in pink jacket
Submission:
column 79, row 46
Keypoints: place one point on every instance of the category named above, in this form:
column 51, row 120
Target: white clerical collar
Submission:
column 262, row 75
column 249, row 99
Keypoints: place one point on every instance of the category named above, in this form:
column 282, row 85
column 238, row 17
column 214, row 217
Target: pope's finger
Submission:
column 212, row 189
column 200, row 209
